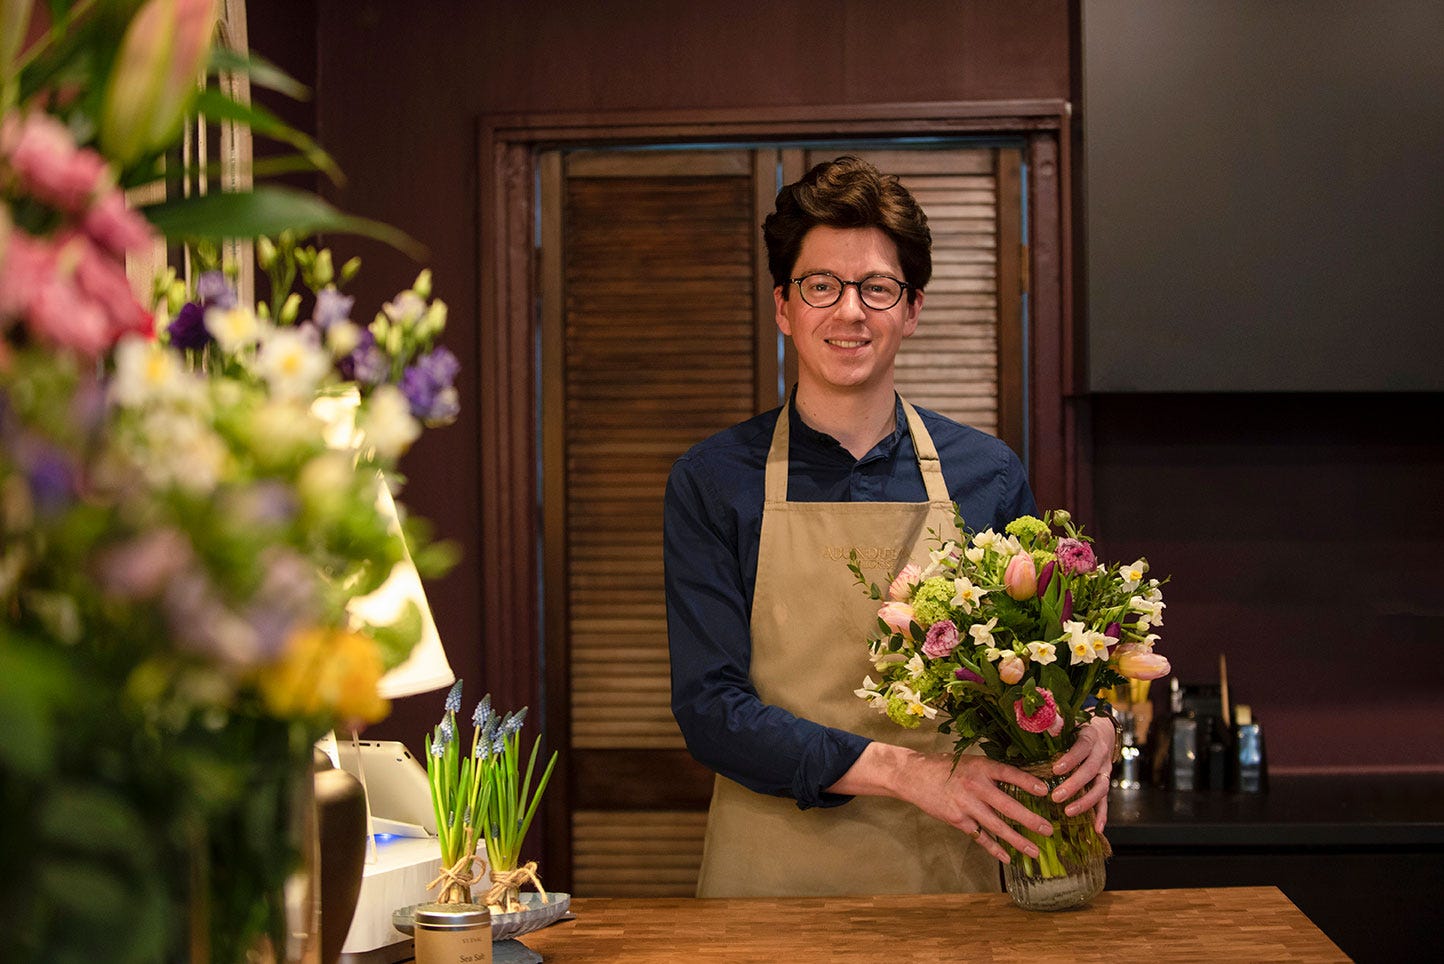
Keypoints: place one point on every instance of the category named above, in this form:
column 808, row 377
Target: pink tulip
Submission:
column 1010, row 669
column 155, row 76
column 1136, row 661
column 1020, row 579
column 898, row 615
column 901, row 587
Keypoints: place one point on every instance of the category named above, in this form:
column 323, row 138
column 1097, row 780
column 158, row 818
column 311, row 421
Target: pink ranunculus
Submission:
column 1020, row 579
column 942, row 639
column 901, row 586
column 1055, row 729
column 1040, row 721
column 1010, row 668
column 1136, row 661
column 898, row 615
column 1075, row 557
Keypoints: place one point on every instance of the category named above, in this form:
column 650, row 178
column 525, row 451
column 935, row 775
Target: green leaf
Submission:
column 267, row 211
column 262, row 72
column 214, row 105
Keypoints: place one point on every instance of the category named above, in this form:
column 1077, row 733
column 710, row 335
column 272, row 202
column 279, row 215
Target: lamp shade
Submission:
column 426, row 669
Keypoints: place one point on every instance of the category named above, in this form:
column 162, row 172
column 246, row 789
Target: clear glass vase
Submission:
column 1068, row 871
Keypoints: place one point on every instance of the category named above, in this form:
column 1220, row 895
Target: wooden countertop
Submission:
column 1202, row 924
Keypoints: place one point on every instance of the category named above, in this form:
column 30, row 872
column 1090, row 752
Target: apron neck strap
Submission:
column 927, row 455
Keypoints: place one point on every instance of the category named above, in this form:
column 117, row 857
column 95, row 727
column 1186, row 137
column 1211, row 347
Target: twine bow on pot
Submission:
column 506, row 886
column 457, row 880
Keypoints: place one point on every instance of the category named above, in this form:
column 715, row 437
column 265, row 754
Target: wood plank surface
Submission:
column 1199, row 924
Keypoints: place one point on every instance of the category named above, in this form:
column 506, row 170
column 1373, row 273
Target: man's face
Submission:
column 847, row 347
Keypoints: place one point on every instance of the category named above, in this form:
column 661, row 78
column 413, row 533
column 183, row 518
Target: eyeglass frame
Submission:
column 903, row 288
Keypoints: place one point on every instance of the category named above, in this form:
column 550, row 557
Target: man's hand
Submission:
column 1089, row 764
column 967, row 797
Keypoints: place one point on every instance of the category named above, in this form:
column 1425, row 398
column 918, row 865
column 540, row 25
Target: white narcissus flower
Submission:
column 982, row 633
column 915, row 667
column 1078, row 643
column 870, row 693
column 967, row 595
column 985, row 539
column 292, row 363
column 387, row 423
column 1042, row 653
column 1100, row 644
column 974, row 554
column 915, row 705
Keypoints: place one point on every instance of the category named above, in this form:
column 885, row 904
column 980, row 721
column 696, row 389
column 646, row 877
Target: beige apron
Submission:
column 810, row 621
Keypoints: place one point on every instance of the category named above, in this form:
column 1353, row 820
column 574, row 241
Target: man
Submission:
column 817, row 793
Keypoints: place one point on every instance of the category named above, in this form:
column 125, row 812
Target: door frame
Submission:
column 514, row 666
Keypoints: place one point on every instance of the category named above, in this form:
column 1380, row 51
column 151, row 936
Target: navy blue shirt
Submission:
column 711, row 532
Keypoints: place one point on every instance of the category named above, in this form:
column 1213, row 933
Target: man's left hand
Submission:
column 1089, row 765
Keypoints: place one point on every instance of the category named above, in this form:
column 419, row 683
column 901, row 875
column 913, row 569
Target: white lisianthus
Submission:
column 233, row 328
column 342, row 338
column 406, row 309
column 292, row 363
column 324, row 481
column 387, row 423
column 147, row 371
column 280, row 428
column 182, row 451
column 1042, row 653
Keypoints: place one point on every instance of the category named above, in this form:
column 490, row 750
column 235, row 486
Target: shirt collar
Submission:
column 821, row 442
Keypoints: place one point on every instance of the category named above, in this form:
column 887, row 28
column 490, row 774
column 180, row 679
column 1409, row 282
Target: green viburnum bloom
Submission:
column 932, row 601
column 898, row 712
column 1027, row 528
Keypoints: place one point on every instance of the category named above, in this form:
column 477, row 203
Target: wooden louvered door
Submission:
column 658, row 330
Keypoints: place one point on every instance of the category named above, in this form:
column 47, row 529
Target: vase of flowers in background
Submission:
column 1006, row 640
column 181, row 533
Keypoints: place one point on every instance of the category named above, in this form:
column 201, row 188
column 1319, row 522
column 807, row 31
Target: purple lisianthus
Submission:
column 52, row 479
column 331, row 306
column 214, row 291
column 367, row 364
column 942, row 638
column 427, row 386
column 1075, row 557
column 189, row 331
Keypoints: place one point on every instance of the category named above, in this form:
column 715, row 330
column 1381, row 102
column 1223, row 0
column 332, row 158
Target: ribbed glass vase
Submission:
column 1068, row 871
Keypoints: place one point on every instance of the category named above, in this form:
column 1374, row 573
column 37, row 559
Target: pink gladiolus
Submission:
column 48, row 165
column 1076, row 557
column 901, row 586
column 1020, row 579
column 1136, row 661
column 116, row 227
column 942, row 638
column 155, row 76
column 898, row 615
column 1040, row 721
column 1010, row 669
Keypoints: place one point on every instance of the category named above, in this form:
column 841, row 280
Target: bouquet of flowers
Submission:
column 184, row 521
column 483, row 797
column 1005, row 640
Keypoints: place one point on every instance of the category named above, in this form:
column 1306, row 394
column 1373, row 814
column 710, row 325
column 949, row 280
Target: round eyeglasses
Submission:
column 878, row 291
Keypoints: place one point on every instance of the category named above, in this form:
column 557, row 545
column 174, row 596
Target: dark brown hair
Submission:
column 848, row 193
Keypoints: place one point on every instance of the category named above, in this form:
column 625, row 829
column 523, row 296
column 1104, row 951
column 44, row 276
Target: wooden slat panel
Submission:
column 661, row 343
column 637, row 853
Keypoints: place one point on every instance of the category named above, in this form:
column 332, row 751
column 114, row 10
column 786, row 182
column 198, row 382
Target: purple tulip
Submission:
column 966, row 675
column 1067, row 613
column 1046, row 576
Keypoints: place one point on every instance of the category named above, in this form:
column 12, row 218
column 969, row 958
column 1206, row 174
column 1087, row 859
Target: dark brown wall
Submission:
column 1268, row 510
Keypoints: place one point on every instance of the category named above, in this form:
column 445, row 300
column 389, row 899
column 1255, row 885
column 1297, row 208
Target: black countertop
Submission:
column 1298, row 810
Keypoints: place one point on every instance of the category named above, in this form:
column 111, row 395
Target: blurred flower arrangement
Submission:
column 1006, row 640
column 484, row 797
column 188, row 502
